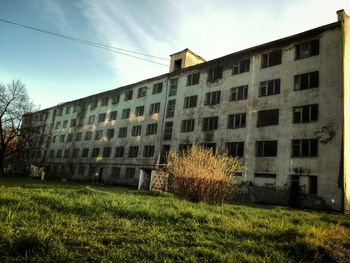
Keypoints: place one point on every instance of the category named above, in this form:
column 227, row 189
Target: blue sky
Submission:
column 56, row 70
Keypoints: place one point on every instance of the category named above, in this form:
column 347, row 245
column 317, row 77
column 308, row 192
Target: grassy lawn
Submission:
column 69, row 222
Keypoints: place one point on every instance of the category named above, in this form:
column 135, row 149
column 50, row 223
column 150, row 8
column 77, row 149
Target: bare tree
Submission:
column 14, row 102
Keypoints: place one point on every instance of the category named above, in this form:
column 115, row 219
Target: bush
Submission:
column 198, row 174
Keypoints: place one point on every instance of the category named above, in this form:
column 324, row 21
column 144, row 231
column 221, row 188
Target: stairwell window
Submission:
column 168, row 129
column 170, row 110
column 173, row 87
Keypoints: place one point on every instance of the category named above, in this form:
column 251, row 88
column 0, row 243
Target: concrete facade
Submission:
column 282, row 106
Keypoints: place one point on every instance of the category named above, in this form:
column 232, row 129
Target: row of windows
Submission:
column 302, row 50
column 92, row 171
column 300, row 148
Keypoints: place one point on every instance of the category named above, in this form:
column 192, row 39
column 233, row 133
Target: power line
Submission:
column 91, row 43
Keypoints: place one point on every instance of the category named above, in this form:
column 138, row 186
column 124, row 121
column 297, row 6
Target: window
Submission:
column 75, row 108
column 313, row 185
column 209, row 146
column 190, row 102
column 110, row 134
column 60, row 112
column 81, row 170
column 93, row 105
column 265, row 148
column 187, row 125
column 168, row 128
column 58, row 124
column 173, row 87
column 142, row 92
column 92, row 171
column 177, row 64
column 70, row 137
column 306, row 113
column 113, row 115
column 307, row 49
column 133, row 151
column 193, row 79
column 125, row 114
column 59, row 154
column 235, row 148
column 215, row 74
column 65, row 124
column 52, row 154
column 75, row 153
column 241, row 66
column 119, row 151
column 95, row 152
column 139, row 110
column 106, row 152
column 184, row 147
column 91, row 119
column 210, row 124
column 67, row 109
column 104, row 101
column 73, row 122
column 152, row 129
column 148, row 151
column 271, row 59
column 305, row 148
column 170, row 110
column 78, row 137
column 306, row 81
column 129, row 173
column 66, row 153
column 116, row 99
column 239, row 93
column 136, row 130
column 265, row 175
column 88, row 136
column 54, row 138
column 98, row 134
column 267, row 118
column 270, row 87
column 212, row 98
column 85, row 153
column 122, row 132
column 115, row 172
column 101, row 117
column 128, row 95
column 235, row 121
column 157, row 88
column 154, row 108
column 62, row 138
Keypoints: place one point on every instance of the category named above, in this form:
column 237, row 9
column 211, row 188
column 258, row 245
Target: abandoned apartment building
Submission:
column 282, row 107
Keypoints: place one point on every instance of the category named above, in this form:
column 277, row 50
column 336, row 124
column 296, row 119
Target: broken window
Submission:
column 306, row 81
column 307, row 49
column 306, row 113
column 148, row 151
column 270, row 87
column 193, row 79
column 139, row 110
column 113, row 115
column 271, row 59
column 235, row 121
column 187, row 125
column 128, row 95
column 157, row 88
column 239, row 93
column 173, row 87
column 212, row 98
column 91, row 119
column 305, row 148
column 142, row 92
column 154, row 108
column 265, row 148
column 268, row 117
column 235, row 148
column 215, row 73
column 110, row 134
column 95, row 152
column 125, row 114
column 85, row 153
column 104, row 101
column 129, row 173
column 210, row 123
column 133, row 151
column 136, row 130
column 119, row 151
column 122, row 132
column 170, row 110
column 168, row 128
column 101, row 117
column 106, row 153
column 241, row 66
column 98, row 134
column 151, row 129
column 116, row 172
column 88, row 136
column 190, row 102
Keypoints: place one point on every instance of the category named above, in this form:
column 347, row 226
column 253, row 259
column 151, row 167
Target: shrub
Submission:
column 198, row 174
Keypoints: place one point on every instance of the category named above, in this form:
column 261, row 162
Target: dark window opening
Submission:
column 215, row 74
column 268, row 117
column 305, row 148
column 307, row 49
column 271, row 59
column 177, row 64
column 266, row 148
column 306, row 81
column 235, row 148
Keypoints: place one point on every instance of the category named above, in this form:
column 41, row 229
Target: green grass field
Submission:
column 69, row 222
